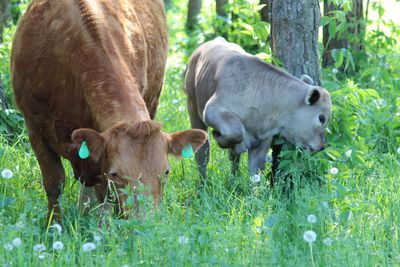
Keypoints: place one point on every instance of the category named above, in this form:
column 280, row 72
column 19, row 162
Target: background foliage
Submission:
column 234, row 222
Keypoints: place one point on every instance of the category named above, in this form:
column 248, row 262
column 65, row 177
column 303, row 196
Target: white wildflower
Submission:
column 335, row 70
column 8, row 247
column 17, row 242
column 181, row 109
column 398, row 150
column 348, row 153
column 39, row 247
column 255, row 178
column 57, row 227
column 88, row 246
column 328, row 241
column 334, row 170
column 58, row 245
column 41, row 256
column 175, row 101
column 310, row 236
column 183, row 240
column 311, row 218
column 7, row 174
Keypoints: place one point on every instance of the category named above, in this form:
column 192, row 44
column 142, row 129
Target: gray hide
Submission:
column 247, row 101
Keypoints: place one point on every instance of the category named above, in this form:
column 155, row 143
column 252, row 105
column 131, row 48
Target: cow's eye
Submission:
column 322, row 119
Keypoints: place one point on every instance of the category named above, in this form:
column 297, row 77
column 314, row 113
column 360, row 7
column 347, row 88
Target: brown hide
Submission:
column 95, row 67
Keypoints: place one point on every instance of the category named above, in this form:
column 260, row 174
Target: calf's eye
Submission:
column 322, row 119
column 113, row 174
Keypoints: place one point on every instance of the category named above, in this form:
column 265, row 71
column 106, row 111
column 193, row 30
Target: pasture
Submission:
column 348, row 195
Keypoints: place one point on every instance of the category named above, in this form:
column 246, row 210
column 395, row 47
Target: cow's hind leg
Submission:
column 53, row 175
column 203, row 154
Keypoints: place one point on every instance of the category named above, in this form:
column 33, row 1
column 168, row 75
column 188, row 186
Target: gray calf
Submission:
column 247, row 101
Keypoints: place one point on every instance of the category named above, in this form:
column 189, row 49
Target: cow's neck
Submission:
column 275, row 96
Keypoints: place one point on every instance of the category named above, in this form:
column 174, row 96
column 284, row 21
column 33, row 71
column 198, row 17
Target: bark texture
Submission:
column 5, row 15
column 295, row 26
column 352, row 38
column 221, row 7
column 194, row 8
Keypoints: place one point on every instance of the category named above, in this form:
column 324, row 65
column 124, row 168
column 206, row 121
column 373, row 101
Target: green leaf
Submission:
column 332, row 28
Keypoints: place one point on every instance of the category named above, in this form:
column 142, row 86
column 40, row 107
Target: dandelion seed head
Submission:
column 328, row 241
column 89, row 246
column 255, row 178
column 17, row 242
column 175, row 101
column 57, row 227
column 41, row 256
column 97, row 238
column 310, row 236
column 58, row 245
column 39, row 247
column 348, row 153
column 8, row 246
column 7, row 174
column 311, row 218
column 183, row 240
column 334, row 171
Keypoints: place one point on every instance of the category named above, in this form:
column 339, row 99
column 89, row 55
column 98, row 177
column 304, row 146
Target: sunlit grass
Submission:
column 354, row 198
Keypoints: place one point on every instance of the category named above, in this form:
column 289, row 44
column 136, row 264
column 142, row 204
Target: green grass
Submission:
column 230, row 222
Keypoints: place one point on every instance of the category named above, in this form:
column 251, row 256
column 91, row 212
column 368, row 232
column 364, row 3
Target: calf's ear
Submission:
column 180, row 140
column 307, row 79
column 95, row 142
column 312, row 96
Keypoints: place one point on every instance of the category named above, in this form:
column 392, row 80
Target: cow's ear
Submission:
column 312, row 96
column 95, row 142
column 180, row 141
column 307, row 79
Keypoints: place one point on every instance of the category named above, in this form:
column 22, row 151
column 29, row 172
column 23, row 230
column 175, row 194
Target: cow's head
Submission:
column 133, row 153
column 306, row 124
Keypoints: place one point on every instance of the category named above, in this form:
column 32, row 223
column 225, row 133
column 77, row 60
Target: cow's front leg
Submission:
column 53, row 175
column 257, row 157
column 228, row 129
column 235, row 161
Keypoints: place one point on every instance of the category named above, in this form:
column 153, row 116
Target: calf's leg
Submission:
column 235, row 161
column 203, row 154
column 257, row 157
column 53, row 175
column 228, row 129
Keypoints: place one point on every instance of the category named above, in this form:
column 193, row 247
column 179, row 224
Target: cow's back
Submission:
column 71, row 60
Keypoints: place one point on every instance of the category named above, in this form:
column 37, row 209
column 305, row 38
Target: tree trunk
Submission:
column 194, row 8
column 5, row 15
column 221, row 7
column 266, row 12
column 295, row 26
column 356, row 29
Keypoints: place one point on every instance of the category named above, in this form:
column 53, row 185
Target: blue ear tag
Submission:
column 187, row 151
column 84, row 151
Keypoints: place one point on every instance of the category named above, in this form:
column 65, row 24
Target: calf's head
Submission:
column 306, row 123
column 133, row 153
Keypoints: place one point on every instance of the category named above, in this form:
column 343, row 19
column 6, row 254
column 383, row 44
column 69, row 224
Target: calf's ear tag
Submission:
column 84, row 151
column 187, row 151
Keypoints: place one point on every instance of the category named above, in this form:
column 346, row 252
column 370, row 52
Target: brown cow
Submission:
column 93, row 70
